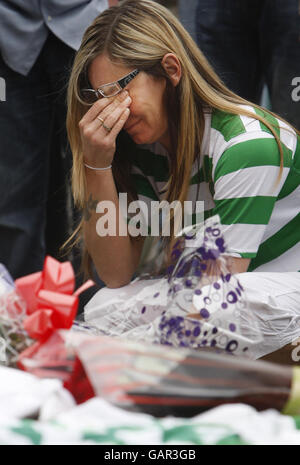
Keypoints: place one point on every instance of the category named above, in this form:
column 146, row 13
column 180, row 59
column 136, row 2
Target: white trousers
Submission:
column 273, row 304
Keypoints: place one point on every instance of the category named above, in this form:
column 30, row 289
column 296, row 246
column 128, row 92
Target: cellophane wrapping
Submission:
column 13, row 337
column 163, row 380
column 197, row 302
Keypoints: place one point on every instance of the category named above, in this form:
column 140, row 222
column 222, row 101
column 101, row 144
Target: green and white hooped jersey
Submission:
column 239, row 167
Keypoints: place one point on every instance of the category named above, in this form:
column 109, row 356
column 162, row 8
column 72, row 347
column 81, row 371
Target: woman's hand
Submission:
column 100, row 126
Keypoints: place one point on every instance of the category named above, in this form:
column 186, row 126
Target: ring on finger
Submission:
column 107, row 129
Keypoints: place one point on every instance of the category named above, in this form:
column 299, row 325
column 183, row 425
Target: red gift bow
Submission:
column 51, row 301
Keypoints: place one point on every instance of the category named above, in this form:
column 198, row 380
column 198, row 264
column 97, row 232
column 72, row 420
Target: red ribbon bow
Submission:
column 51, row 301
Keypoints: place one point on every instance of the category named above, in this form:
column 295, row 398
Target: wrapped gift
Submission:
column 50, row 298
column 51, row 304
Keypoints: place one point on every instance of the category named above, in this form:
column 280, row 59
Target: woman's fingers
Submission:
column 100, row 129
column 120, row 123
column 109, row 116
column 100, row 106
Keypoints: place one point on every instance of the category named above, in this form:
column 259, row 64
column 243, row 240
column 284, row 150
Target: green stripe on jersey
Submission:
column 152, row 164
column 245, row 210
column 205, row 172
column 248, row 255
column 293, row 179
column 143, row 186
column 270, row 119
column 276, row 245
column 251, row 153
column 227, row 124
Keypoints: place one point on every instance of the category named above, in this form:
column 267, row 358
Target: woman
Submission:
column 147, row 115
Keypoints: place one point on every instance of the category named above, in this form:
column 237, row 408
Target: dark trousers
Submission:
column 35, row 161
column 252, row 42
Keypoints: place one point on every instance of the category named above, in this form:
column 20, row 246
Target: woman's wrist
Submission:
column 96, row 168
column 97, row 173
column 96, row 165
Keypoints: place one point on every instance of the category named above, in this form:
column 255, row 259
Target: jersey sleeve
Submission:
column 246, row 187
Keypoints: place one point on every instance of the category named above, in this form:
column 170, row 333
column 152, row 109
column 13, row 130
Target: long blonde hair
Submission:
column 138, row 34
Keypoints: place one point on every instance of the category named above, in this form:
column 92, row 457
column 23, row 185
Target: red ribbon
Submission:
column 51, row 301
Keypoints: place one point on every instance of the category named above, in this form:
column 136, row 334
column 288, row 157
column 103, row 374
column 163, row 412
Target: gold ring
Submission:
column 100, row 119
column 106, row 128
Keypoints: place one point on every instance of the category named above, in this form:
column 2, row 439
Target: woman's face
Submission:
column 148, row 121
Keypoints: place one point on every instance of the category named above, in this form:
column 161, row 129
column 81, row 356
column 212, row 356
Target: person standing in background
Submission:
column 38, row 40
column 251, row 43
column 187, row 16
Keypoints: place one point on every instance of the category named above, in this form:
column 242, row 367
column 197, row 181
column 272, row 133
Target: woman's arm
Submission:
column 237, row 265
column 115, row 257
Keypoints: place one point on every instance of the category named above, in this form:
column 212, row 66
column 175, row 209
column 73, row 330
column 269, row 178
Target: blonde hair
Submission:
column 138, row 34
